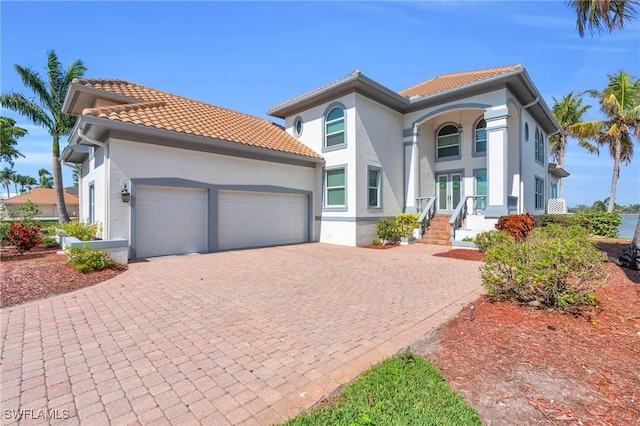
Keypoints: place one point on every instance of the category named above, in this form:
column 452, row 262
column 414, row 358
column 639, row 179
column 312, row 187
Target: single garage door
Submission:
column 256, row 219
column 170, row 221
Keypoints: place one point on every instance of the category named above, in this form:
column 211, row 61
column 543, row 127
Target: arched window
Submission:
column 539, row 146
column 448, row 142
column 334, row 128
column 480, row 137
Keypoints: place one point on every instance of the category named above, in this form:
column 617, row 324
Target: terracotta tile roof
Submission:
column 41, row 196
column 450, row 81
column 167, row 111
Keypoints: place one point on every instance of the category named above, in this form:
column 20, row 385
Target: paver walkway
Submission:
column 241, row 337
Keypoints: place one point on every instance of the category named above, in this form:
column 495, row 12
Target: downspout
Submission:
column 107, row 192
column 521, row 185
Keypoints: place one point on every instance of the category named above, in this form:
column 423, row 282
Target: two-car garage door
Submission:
column 177, row 220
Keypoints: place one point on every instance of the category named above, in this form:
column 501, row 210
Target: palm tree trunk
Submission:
column 616, row 175
column 63, row 216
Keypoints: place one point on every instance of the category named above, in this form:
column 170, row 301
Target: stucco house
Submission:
column 45, row 199
column 201, row 178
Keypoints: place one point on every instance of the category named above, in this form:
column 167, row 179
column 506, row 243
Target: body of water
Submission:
column 628, row 225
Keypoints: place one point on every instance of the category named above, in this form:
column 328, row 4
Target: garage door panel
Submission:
column 253, row 219
column 170, row 221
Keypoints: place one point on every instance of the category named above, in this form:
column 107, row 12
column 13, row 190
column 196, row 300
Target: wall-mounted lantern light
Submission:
column 126, row 196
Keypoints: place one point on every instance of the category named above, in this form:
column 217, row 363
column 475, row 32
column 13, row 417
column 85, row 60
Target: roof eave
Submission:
column 238, row 147
column 76, row 90
column 351, row 83
column 554, row 126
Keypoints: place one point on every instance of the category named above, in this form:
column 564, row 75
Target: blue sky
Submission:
column 249, row 56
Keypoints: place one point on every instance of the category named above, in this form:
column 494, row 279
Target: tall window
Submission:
column 448, row 142
column 481, row 188
column 335, row 188
column 92, row 203
column 539, row 140
column 554, row 190
column 334, row 128
column 539, row 194
column 480, row 137
column 373, row 177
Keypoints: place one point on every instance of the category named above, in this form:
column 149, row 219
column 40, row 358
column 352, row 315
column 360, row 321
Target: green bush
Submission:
column 552, row 230
column 387, row 230
column 50, row 242
column 485, row 240
column 4, row 231
column 602, row 223
column 87, row 259
column 560, row 271
column 406, row 222
column 27, row 213
column 84, row 231
column 564, row 220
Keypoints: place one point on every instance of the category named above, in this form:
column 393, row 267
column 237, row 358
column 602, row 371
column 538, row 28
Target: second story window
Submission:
column 480, row 138
column 448, row 144
column 334, row 128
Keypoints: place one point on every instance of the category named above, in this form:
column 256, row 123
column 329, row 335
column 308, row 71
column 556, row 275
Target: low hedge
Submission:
column 597, row 223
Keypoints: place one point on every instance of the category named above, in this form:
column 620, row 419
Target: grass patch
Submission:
column 402, row 390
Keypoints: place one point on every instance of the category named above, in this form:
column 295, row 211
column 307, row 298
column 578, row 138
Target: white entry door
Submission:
column 257, row 219
column 170, row 221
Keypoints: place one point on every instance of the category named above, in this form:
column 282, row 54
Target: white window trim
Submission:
column 538, row 194
column 325, row 124
column 378, row 187
column 448, row 157
column 325, row 189
column 474, row 151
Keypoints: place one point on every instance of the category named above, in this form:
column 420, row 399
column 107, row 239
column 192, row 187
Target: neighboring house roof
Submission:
column 126, row 102
column 41, row 196
column 438, row 90
column 450, row 81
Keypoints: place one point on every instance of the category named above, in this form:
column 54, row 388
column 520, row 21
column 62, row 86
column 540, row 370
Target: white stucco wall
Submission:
column 93, row 172
column 131, row 160
column 531, row 168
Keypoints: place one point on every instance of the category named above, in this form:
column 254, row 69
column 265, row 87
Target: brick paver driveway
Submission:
column 242, row 337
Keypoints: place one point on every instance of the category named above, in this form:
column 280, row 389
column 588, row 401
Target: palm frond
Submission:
column 586, row 129
column 31, row 79
column 34, row 112
column 54, row 71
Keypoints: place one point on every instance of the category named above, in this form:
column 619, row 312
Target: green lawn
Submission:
column 403, row 390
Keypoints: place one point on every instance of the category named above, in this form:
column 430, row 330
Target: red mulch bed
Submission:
column 464, row 254
column 41, row 273
column 521, row 365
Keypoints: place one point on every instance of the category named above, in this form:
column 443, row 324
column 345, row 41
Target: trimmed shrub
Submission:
column 564, row 220
column 560, row 272
column 23, row 237
column 517, row 225
column 406, row 222
column 387, row 230
column 84, row 231
column 558, row 231
column 485, row 240
column 50, row 242
column 87, row 259
column 602, row 223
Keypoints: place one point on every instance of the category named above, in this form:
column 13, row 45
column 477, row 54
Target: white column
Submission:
column 497, row 160
column 412, row 172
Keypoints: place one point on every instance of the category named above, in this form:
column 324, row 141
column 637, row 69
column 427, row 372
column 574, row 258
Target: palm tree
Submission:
column 599, row 15
column 9, row 134
column 620, row 103
column 47, row 112
column 568, row 111
column 45, row 178
column 17, row 180
column 6, row 175
column 30, row 182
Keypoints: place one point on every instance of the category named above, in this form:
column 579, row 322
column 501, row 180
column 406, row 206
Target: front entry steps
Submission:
column 438, row 232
